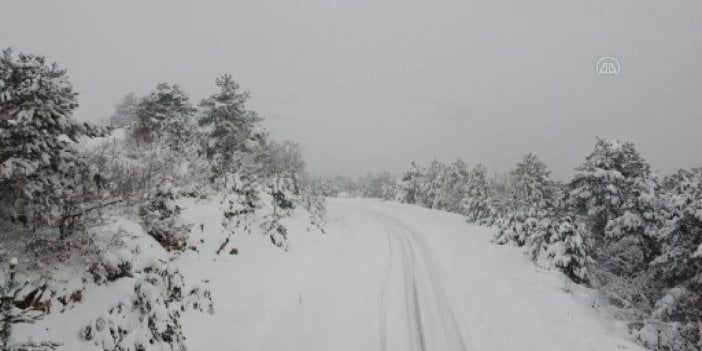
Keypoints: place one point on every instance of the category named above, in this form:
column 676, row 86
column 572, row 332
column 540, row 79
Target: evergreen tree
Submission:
column 532, row 197
column 125, row 112
column 615, row 191
column 609, row 178
column 561, row 241
column 231, row 128
column 409, row 188
column 39, row 165
column 453, row 187
column 478, row 197
column 680, row 260
column 164, row 114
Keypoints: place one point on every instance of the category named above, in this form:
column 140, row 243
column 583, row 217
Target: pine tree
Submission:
column 477, row 201
column 409, row 188
column 561, row 241
column 610, row 177
column 680, row 259
column 125, row 112
column 453, row 187
column 532, row 197
column 39, row 165
column 615, row 191
column 231, row 128
column 165, row 114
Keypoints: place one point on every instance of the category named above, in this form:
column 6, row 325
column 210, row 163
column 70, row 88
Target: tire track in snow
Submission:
column 384, row 298
column 423, row 289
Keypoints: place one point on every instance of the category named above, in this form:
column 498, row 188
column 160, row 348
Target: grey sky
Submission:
column 369, row 85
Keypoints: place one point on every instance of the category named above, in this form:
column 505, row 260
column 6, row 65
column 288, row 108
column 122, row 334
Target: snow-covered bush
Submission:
column 17, row 307
column 162, row 221
column 149, row 319
column 111, row 266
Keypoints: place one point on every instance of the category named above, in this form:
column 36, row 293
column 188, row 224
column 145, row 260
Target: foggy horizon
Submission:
column 371, row 86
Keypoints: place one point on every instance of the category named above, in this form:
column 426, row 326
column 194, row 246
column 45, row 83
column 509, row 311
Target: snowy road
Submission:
column 393, row 277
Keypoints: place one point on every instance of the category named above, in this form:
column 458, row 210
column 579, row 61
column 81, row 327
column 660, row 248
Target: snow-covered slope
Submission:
column 387, row 276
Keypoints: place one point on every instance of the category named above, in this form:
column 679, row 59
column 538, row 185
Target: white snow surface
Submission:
column 387, row 276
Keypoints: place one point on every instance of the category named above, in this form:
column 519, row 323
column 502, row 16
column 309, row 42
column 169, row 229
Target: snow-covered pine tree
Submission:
column 453, row 187
column 39, row 164
column 282, row 203
column 561, row 242
column 431, row 184
column 679, row 264
column 242, row 199
column 478, row 197
column 231, row 129
column 532, row 197
column 125, row 112
column 609, row 177
column 314, row 202
column 680, row 259
column 408, row 190
column 164, row 114
column 615, row 191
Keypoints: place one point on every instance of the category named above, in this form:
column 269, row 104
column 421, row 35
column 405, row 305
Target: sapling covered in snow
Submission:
column 283, row 198
column 151, row 318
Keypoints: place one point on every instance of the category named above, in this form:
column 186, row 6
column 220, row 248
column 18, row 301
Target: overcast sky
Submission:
column 369, row 85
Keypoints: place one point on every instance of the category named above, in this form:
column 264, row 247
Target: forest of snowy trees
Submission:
column 616, row 226
column 58, row 188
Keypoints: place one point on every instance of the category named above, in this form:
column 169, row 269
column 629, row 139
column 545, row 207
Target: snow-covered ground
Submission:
column 386, row 276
